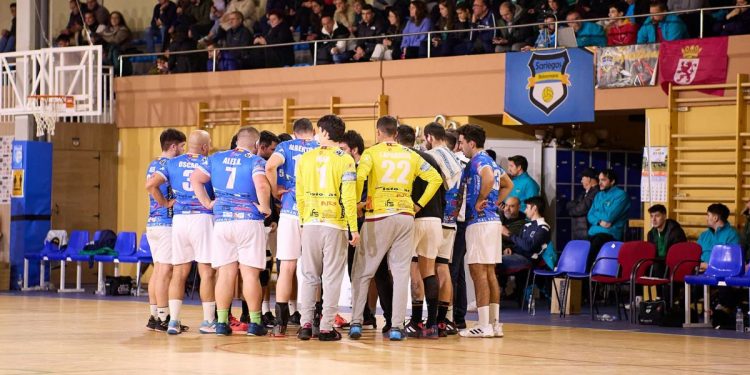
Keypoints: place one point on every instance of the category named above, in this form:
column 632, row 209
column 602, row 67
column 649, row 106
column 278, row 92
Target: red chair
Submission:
column 682, row 258
column 631, row 253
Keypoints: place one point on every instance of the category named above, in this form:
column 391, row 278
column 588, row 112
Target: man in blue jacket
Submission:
column 524, row 187
column 719, row 232
column 482, row 19
column 661, row 28
column 608, row 215
column 530, row 242
column 587, row 33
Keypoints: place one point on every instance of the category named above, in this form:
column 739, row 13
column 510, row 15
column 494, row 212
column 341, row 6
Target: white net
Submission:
column 47, row 109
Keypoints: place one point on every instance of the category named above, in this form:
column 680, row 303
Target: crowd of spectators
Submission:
column 184, row 25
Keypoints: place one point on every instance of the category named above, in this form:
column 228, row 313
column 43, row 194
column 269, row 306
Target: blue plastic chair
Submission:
column 725, row 262
column 605, row 264
column 42, row 257
column 144, row 257
column 76, row 242
column 572, row 261
column 125, row 248
column 739, row 281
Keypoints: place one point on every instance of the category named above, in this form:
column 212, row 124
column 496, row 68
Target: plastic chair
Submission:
column 42, row 257
column 605, row 265
column 143, row 253
column 725, row 262
column 572, row 261
column 681, row 260
column 76, row 242
column 125, row 248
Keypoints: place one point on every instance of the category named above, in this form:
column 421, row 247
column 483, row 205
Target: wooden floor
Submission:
column 43, row 335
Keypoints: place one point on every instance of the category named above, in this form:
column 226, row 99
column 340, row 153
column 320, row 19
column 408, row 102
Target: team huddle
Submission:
column 388, row 213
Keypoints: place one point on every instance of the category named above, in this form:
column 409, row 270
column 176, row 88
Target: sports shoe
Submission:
column 174, row 327
column 497, row 329
column 386, row 329
column 478, row 331
column 332, row 335
column 161, row 325
column 355, row 331
column 207, row 327
column 256, row 330
column 222, row 329
column 430, row 333
column 460, row 325
column 316, row 324
column 279, row 331
column 268, row 320
column 340, row 322
column 295, row 318
column 413, row 329
column 397, row 334
column 237, row 325
column 447, row 327
column 305, row 332
column 151, row 325
column 370, row 322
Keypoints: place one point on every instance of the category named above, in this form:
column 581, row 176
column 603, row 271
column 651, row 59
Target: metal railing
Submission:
column 557, row 23
column 7, row 76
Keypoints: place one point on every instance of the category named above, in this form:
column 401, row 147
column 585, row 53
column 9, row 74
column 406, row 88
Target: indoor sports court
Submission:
column 160, row 162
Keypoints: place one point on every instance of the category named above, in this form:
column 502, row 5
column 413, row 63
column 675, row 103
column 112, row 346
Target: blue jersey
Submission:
column 231, row 175
column 159, row 216
column 473, row 182
column 177, row 172
column 290, row 152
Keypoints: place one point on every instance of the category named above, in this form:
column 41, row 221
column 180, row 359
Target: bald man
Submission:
column 192, row 225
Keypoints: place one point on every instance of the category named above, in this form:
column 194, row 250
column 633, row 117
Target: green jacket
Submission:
column 725, row 235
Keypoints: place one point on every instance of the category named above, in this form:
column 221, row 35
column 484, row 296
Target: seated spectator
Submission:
column 663, row 234
column 555, row 8
column 161, row 66
column 443, row 43
column 200, row 12
column 62, row 41
column 546, row 38
column 246, row 8
column 332, row 51
column 608, row 214
column 413, row 46
column 482, row 18
column 578, row 209
column 513, row 38
column 587, row 33
column 359, row 54
column 75, row 19
column 92, row 31
column 659, row 28
column 620, row 32
column 163, row 18
column 513, row 219
column 370, row 26
column 736, row 22
column 719, row 232
column 218, row 9
column 183, row 63
column 691, row 20
column 101, row 13
column 357, row 6
column 236, row 36
column 8, row 39
column 524, row 187
column 278, row 33
column 532, row 240
column 388, row 49
column 637, row 7
column 344, row 15
column 117, row 37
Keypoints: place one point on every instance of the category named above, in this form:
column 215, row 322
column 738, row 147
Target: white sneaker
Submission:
column 208, row 327
column 497, row 329
column 477, row 331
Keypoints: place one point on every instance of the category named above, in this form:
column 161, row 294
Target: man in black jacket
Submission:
column 578, row 209
column 664, row 233
column 237, row 36
column 371, row 25
column 532, row 240
column 332, row 51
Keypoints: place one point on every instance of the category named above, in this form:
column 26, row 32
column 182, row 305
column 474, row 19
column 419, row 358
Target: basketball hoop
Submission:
column 47, row 109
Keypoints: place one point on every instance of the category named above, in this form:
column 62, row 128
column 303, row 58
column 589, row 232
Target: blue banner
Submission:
column 549, row 87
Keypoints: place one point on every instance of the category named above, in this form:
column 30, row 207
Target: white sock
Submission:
column 162, row 313
column 265, row 307
column 449, row 315
column 484, row 316
column 292, row 306
column 494, row 313
column 209, row 311
column 174, row 309
column 152, row 309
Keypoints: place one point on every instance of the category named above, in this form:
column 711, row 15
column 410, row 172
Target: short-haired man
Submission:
column 326, row 189
column 608, row 214
column 390, row 170
column 579, row 208
column 450, row 168
column 332, row 51
column 370, row 26
column 192, row 226
column 487, row 184
column 280, row 170
column 530, row 242
column 159, row 232
column 482, row 20
column 719, row 232
column 661, row 27
column 663, row 234
column 587, row 33
column 513, row 219
column 524, row 187
column 428, row 236
column 514, row 36
column 237, row 35
column 243, row 201
column 267, row 144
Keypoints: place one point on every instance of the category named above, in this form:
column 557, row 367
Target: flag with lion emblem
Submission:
column 694, row 62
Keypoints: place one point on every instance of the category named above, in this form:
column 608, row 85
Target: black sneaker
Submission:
column 370, row 322
column 447, row 328
column 268, row 320
column 305, row 333
column 460, row 325
column 295, row 318
column 332, row 335
column 161, row 326
column 151, row 325
column 413, row 329
column 386, row 329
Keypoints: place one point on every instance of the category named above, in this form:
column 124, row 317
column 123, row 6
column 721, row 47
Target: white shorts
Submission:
column 484, row 243
column 446, row 247
column 242, row 241
column 289, row 238
column 191, row 238
column 427, row 237
column 160, row 242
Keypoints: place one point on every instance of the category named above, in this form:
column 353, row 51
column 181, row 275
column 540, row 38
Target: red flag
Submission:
column 694, row 62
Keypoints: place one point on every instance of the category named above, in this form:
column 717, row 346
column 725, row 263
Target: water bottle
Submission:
column 740, row 321
column 544, row 42
column 532, row 306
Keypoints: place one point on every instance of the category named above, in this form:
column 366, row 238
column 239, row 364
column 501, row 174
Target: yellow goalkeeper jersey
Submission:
column 390, row 170
column 326, row 188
